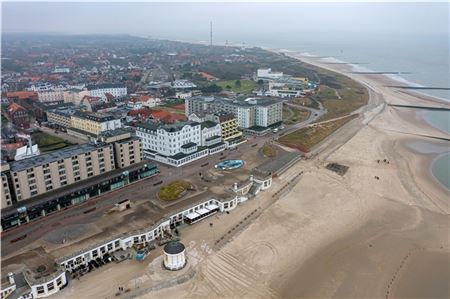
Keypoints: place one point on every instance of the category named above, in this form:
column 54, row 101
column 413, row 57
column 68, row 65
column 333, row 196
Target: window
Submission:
column 40, row 290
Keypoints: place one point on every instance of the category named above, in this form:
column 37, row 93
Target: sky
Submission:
column 231, row 21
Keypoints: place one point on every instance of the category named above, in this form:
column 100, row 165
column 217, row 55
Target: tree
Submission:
column 260, row 82
column 237, row 83
column 212, row 88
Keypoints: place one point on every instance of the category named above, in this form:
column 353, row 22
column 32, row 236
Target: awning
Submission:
column 192, row 216
column 212, row 207
column 203, row 211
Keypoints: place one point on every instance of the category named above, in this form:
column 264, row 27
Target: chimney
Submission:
column 11, row 278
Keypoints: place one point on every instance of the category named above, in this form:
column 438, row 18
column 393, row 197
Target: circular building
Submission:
column 174, row 257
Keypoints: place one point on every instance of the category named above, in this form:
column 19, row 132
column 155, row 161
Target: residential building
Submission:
column 267, row 74
column 61, row 70
column 250, row 112
column 228, row 126
column 211, row 133
column 21, row 95
column 127, row 148
column 40, row 174
column 61, row 116
column 179, row 143
column 75, row 96
column 18, row 116
column 94, row 123
column 6, row 197
column 183, row 84
column 54, row 95
column 100, row 90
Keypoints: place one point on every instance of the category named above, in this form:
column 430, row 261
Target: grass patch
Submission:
column 48, row 143
column 352, row 97
column 292, row 115
column 246, row 86
column 305, row 138
column 173, row 190
column 269, row 151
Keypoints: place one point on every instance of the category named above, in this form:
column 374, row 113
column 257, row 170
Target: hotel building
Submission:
column 250, row 112
column 40, row 174
column 116, row 90
column 180, row 143
column 94, row 123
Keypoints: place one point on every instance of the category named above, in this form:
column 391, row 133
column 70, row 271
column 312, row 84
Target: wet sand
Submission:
column 415, row 282
column 348, row 236
column 343, row 237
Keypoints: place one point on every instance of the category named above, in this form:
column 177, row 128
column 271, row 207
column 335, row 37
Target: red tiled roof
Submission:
column 161, row 114
column 14, row 107
column 12, row 146
column 21, row 95
column 207, row 76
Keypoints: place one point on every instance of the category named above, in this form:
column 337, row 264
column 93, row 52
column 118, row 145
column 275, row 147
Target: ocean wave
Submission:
column 306, row 54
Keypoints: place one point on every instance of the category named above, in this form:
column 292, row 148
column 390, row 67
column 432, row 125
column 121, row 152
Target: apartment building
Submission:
column 249, row 112
column 179, row 143
column 228, row 125
column 116, row 90
column 51, row 96
column 6, row 198
column 127, row 148
column 268, row 74
column 94, row 123
column 61, row 116
column 40, row 174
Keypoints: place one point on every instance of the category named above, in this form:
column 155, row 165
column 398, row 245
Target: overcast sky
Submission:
column 231, row 21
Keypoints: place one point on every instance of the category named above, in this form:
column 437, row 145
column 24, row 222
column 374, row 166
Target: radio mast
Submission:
column 210, row 34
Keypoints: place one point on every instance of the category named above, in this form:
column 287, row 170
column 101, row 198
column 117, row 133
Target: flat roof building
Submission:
column 249, row 112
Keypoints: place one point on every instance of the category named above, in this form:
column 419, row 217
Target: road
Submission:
column 65, row 136
column 75, row 214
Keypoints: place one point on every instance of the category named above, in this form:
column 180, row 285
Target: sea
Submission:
column 422, row 59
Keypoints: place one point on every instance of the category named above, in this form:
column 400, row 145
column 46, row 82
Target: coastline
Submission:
column 331, row 235
column 320, row 238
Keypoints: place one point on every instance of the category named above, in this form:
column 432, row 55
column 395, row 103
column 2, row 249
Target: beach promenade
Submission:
column 349, row 236
column 378, row 231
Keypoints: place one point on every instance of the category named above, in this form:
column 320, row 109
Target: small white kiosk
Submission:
column 174, row 257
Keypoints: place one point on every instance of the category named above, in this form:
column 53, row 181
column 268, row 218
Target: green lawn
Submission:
column 292, row 115
column 173, row 190
column 269, row 151
column 48, row 143
column 247, row 86
column 304, row 139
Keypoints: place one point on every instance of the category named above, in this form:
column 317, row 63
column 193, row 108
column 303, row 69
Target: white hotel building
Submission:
column 180, row 143
column 100, row 90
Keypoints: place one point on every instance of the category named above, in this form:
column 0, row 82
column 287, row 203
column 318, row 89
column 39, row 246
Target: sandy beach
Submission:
column 351, row 236
column 348, row 236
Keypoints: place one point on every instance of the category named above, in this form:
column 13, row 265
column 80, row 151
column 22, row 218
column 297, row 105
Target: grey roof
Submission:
column 153, row 126
column 208, row 124
column 240, row 101
column 189, row 145
column 53, row 156
column 94, row 116
column 174, row 247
